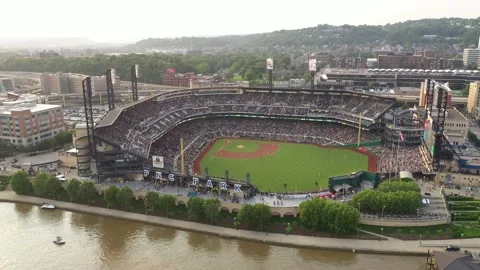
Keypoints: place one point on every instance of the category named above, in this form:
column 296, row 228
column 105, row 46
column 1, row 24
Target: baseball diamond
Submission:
column 272, row 164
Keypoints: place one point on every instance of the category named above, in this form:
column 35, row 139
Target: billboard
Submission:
column 269, row 64
column 157, row 162
column 312, row 64
column 171, row 71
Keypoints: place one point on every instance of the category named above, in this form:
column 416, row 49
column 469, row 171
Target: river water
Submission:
column 92, row 242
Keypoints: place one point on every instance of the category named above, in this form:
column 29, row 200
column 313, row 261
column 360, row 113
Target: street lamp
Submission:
column 461, row 240
column 359, row 208
column 381, row 229
column 418, row 213
column 358, row 232
column 383, row 210
column 336, row 231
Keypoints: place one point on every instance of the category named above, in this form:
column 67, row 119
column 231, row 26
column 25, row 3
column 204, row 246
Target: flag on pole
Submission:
column 401, row 136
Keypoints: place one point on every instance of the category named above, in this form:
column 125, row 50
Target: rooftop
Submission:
column 27, row 106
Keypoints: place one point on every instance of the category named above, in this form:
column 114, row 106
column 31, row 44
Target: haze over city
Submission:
column 109, row 21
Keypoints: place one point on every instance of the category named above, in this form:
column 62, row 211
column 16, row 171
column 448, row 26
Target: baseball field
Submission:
column 272, row 164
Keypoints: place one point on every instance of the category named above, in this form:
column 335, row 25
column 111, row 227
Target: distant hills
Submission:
column 47, row 43
column 448, row 31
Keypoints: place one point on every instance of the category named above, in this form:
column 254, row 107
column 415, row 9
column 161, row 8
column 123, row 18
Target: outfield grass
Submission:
column 297, row 165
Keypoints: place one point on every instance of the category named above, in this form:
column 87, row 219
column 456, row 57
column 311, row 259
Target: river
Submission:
column 94, row 242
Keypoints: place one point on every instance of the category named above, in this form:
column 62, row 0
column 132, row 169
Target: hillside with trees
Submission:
column 463, row 32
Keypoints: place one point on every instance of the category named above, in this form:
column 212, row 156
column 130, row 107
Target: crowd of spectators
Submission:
column 403, row 158
column 198, row 133
column 141, row 123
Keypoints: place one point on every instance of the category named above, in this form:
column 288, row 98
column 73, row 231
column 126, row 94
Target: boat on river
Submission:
column 47, row 206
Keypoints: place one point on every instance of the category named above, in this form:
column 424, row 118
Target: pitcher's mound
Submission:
column 240, row 146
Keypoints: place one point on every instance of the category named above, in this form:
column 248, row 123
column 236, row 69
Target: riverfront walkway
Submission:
column 363, row 246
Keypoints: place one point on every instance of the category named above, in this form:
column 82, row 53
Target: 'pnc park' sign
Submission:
column 195, row 181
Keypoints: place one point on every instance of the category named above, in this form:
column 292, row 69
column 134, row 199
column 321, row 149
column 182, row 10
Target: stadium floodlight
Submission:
column 269, row 64
column 137, row 71
column 113, row 74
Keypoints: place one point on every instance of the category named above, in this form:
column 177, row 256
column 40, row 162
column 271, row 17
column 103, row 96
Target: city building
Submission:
column 349, row 62
column 407, row 60
column 48, row 54
column 470, row 56
column 7, row 84
column 27, row 123
column 180, row 80
column 69, row 83
column 473, row 102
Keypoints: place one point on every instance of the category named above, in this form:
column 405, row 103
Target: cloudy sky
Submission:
column 126, row 21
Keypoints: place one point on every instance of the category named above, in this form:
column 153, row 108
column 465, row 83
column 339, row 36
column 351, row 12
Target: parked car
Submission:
column 451, row 248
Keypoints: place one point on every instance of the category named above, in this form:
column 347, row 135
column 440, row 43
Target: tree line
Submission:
column 319, row 214
column 233, row 67
column 396, row 197
column 255, row 216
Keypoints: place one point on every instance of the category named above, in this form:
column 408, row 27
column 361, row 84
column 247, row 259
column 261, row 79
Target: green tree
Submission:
column 262, row 215
column 87, row 192
column 151, row 200
column 195, row 208
column 73, row 190
column 167, row 204
column 212, row 209
column 20, row 183
column 124, row 197
column 246, row 215
column 52, row 186
column 110, row 195
column 40, row 184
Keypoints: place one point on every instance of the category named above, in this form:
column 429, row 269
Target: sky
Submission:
column 130, row 21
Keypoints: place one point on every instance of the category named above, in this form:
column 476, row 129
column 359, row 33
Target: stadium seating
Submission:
column 138, row 125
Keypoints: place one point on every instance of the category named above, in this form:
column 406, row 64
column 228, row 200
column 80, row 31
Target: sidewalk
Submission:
column 351, row 245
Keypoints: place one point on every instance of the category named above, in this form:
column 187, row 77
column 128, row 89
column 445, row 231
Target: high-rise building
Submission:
column 68, row 83
column 470, row 56
column 473, row 101
column 26, row 123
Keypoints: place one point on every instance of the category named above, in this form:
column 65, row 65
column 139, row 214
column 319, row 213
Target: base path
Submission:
column 365, row 246
column 264, row 149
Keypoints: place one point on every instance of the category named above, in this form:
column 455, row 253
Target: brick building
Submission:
column 180, row 80
column 27, row 123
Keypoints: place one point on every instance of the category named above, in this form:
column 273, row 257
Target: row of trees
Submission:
column 248, row 67
column 199, row 209
column 390, row 197
column 48, row 186
column 394, row 186
column 326, row 215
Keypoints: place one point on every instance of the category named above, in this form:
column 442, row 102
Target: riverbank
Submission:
column 391, row 246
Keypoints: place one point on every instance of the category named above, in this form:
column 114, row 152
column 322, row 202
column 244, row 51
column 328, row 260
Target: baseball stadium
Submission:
column 273, row 139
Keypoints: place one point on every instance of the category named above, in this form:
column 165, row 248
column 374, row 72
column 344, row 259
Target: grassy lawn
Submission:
column 297, row 165
column 413, row 233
